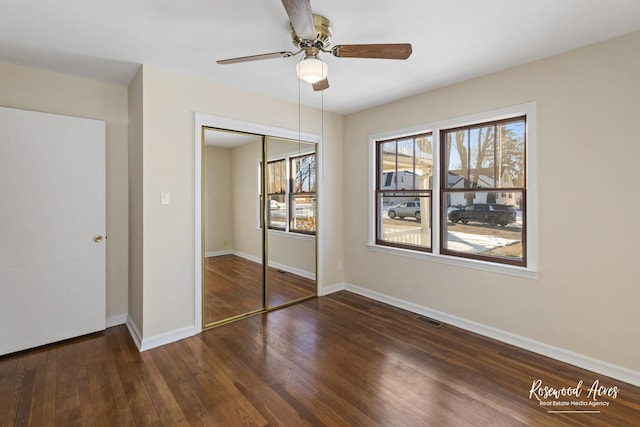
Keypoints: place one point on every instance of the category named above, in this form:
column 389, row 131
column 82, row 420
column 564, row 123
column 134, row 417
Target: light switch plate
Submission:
column 165, row 198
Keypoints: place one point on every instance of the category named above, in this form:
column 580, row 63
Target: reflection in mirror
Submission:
column 232, row 239
column 291, row 216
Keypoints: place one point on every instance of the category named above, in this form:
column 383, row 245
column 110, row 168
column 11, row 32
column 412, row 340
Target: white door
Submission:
column 52, row 208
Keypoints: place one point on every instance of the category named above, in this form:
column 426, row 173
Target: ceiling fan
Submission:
column 311, row 34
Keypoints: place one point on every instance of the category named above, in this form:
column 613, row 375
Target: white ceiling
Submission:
column 453, row 40
column 227, row 139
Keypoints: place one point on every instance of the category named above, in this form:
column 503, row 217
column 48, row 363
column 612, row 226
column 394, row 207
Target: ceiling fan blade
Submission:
column 321, row 85
column 380, row 51
column 301, row 18
column 284, row 54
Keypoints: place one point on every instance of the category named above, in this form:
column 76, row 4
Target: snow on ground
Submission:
column 456, row 240
column 467, row 242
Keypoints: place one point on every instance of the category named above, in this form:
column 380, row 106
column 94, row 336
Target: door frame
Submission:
column 212, row 121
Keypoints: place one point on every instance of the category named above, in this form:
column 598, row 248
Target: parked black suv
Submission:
column 491, row 213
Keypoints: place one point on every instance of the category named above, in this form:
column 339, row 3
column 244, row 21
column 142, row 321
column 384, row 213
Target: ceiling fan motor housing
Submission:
column 323, row 34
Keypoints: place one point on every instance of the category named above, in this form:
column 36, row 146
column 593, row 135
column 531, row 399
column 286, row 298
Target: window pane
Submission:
column 387, row 161
column 277, row 177
column 482, row 157
column 456, row 145
column 424, row 162
column 303, row 170
column 304, row 213
column 405, row 178
column 510, row 153
column 406, row 164
column 404, row 219
column 312, row 173
column 491, row 226
column 277, row 214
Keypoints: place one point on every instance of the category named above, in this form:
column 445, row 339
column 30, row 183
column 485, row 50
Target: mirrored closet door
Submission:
column 291, row 216
column 240, row 231
column 233, row 282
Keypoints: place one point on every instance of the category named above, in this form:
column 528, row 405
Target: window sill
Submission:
column 293, row 235
column 527, row 273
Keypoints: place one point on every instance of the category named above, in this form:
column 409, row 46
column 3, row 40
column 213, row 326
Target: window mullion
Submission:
column 436, row 191
column 287, row 197
column 497, row 168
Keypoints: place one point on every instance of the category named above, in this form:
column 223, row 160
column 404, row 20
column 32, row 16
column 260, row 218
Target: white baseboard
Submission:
column 144, row 344
column 331, row 289
column 135, row 334
column 283, row 267
column 217, row 253
column 167, row 338
column 292, row 270
column 247, row 256
column 118, row 319
column 563, row 355
column 244, row 255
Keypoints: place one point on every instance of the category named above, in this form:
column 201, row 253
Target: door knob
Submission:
column 97, row 238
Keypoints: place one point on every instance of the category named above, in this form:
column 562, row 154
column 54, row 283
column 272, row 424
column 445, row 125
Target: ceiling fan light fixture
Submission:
column 311, row 69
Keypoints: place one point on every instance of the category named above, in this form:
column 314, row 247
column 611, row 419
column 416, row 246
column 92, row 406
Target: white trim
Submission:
column 529, row 109
column 293, row 270
column 247, row 256
column 197, row 233
column 557, row 353
column 207, row 120
column 292, row 234
column 166, row 338
column 116, row 320
column 217, row 253
column 250, row 127
column 144, row 344
column 134, row 332
column 457, row 261
column 283, row 267
column 331, row 289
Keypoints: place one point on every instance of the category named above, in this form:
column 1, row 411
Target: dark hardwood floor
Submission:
column 337, row 360
column 233, row 286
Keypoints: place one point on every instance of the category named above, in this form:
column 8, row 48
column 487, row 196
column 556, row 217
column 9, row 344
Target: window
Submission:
column 276, row 194
column 479, row 168
column 291, row 194
column 303, row 193
column 483, row 191
column 403, row 192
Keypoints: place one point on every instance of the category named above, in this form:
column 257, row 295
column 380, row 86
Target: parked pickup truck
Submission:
column 491, row 213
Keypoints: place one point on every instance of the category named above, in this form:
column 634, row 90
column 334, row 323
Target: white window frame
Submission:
column 526, row 109
column 287, row 231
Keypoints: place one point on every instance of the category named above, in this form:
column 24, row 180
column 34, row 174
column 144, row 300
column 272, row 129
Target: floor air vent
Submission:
column 429, row 321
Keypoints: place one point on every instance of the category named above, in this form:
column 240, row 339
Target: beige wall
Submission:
column 586, row 297
column 170, row 102
column 247, row 237
column 218, row 200
column 136, row 254
column 297, row 253
column 37, row 90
